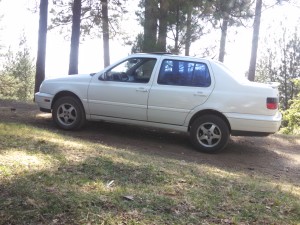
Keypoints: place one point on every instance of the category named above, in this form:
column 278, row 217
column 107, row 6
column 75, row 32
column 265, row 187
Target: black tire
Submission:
column 209, row 134
column 68, row 113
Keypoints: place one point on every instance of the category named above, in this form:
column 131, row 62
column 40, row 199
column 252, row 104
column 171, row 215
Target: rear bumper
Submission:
column 43, row 100
column 247, row 123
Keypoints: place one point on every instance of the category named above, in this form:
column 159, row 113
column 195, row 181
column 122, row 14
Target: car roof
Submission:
column 172, row 55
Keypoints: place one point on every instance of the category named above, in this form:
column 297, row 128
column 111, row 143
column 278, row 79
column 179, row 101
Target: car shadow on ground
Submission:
column 266, row 156
column 276, row 156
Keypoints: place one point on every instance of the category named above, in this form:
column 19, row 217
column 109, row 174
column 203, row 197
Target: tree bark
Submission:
column 176, row 39
column 223, row 38
column 188, row 31
column 150, row 26
column 42, row 40
column 74, row 51
column 163, row 23
column 255, row 37
column 105, row 27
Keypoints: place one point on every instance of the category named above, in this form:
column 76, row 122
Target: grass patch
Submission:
column 52, row 178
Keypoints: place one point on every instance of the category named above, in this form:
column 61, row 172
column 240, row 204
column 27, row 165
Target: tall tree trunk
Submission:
column 188, row 31
column 42, row 39
column 150, row 26
column 255, row 36
column 223, row 38
column 163, row 23
column 285, row 74
column 76, row 19
column 176, row 45
column 105, row 28
column 286, row 99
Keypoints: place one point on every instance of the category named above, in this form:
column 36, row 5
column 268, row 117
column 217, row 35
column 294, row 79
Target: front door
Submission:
column 122, row 91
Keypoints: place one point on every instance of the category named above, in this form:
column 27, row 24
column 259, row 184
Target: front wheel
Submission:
column 209, row 133
column 68, row 113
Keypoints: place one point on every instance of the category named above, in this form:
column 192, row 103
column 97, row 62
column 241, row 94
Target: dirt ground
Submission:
column 276, row 157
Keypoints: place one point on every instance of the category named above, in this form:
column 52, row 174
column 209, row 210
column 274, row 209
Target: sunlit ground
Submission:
column 294, row 158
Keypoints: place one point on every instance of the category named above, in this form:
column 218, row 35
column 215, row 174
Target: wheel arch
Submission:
column 209, row 112
column 66, row 94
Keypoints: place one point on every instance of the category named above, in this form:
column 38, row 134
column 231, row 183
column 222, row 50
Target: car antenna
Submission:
column 214, row 56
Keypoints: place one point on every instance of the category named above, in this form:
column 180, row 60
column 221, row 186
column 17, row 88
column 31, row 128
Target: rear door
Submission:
column 180, row 87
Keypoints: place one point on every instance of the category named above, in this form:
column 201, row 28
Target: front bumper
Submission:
column 43, row 100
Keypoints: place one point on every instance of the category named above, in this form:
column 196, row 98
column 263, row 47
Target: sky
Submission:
column 18, row 20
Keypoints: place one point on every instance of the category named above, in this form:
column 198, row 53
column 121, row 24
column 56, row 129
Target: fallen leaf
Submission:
column 109, row 184
column 128, row 197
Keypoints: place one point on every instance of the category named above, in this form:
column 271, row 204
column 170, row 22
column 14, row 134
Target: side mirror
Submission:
column 103, row 77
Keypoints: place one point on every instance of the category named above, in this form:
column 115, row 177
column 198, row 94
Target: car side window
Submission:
column 184, row 73
column 135, row 70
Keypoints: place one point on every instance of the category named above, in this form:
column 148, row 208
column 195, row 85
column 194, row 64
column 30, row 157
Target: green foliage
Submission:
column 282, row 64
column 235, row 11
column 183, row 15
column 265, row 69
column 17, row 77
column 8, row 86
column 91, row 17
column 182, row 22
column 137, row 45
column 290, row 66
column 291, row 117
column 189, row 20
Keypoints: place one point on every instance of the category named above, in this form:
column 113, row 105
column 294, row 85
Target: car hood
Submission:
column 74, row 83
column 70, row 78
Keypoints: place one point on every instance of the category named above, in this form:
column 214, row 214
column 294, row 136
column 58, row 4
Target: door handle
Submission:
column 199, row 93
column 142, row 90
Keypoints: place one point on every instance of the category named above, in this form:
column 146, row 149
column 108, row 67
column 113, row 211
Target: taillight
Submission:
column 272, row 103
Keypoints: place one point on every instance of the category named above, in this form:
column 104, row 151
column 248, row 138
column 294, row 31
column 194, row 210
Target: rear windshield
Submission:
column 238, row 77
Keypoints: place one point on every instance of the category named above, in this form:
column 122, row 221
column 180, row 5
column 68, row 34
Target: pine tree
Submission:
column 227, row 13
column 179, row 21
column 75, row 37
column 105, row 32
column 42, row 39
column 98, row 18
column 256, row 27
column 17, row 80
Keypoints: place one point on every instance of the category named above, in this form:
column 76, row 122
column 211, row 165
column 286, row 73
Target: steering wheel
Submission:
column 124, row 76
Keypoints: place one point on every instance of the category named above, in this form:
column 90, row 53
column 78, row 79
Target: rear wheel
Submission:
column 68, row 113
column 209, row 133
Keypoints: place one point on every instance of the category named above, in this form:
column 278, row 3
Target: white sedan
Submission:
column 199, row 96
